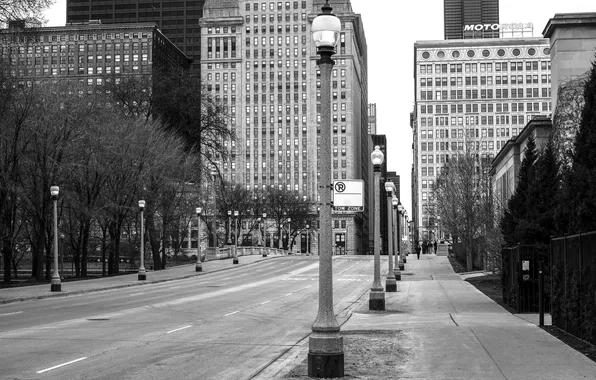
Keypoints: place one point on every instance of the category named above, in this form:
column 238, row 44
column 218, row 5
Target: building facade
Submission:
column 89, row 53
column 505, row 166
column 482, row 91
column 259, row 59
column 178, row 20
column 458, row 13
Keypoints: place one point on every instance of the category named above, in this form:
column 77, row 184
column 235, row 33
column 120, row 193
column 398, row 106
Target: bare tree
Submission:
column 30, row 11
column 463, row 198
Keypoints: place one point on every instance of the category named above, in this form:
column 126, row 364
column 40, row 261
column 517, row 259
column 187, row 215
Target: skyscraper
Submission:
column 480, row 92
column 458, row 13
column 178, row 20
column 260, row 60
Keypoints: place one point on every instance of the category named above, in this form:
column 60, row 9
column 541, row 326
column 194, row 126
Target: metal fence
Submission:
column 519, row 276
column 574, row 284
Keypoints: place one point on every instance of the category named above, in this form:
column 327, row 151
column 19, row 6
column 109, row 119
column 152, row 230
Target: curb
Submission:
column 94, row 290
column 289, row 359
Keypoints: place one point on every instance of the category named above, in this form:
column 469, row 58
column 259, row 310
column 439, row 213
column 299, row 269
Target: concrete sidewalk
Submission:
column 439, row 327
column 23, row 293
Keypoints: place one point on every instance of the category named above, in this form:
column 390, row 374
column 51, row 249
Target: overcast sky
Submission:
column 391, row 28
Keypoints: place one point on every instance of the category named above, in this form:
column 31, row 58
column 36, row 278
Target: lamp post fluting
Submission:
column 396, row 270
column 377, row 295
column 235, row 260
column 199, row 265
column 142, row 273
column 56, row 283
column 264, row 243
column 326, row 353
column 288, row 235
column 390, row 283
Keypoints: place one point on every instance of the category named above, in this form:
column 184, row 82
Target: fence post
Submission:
column 580, row 285
column 565, row 275
column 541, row 293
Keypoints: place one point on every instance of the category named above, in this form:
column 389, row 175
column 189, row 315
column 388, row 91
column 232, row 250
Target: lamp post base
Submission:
column 401, row 266
column 397, row 275
column 326, row 365
column 391, row 285
column 405, row 260
column 198, row 267
column 235, row 261
column 56, row 286
column 325, row 355
column 142, row 276
column 376, row 300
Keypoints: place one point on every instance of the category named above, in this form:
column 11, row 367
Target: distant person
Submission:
column 418, row 249
column 435, row 247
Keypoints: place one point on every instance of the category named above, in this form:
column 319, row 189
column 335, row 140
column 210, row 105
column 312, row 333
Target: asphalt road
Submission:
column 223, row 325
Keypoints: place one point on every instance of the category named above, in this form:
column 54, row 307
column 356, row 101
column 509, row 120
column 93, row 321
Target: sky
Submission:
column 391, row 29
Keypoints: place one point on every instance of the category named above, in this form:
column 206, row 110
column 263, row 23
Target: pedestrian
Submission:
column 418, row 249
column 435, row 247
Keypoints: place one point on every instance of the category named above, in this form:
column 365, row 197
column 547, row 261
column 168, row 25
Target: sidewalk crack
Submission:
column 453, row 319
column 488, row 353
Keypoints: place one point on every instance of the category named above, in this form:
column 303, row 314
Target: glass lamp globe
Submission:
column 377, row 157
column 325, row 28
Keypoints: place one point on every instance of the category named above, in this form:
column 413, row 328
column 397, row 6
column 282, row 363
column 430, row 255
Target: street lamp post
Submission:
column 377, row 295
column 56, row 283
column 396, row 270
column 326, row 353
column 199, row 265
column 288, row 234
column 390, row 283
column 235, row 260
column 264, row 244
column 229, row 227
column 400, row 210
column 142, row 273
column 308, row 240
column 404, row 233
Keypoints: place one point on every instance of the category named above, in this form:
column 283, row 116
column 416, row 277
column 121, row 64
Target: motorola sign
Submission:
column 514, row 26
column 348, row 195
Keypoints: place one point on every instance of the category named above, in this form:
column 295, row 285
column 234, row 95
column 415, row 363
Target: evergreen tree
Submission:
column 580, row 181
column 543, row 197
column 514, row 221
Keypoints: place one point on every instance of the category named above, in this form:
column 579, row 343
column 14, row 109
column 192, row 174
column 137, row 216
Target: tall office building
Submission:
column 260, row 60
column 89, row 53
column 178, row 20
column 458, row 13
column 483, row 91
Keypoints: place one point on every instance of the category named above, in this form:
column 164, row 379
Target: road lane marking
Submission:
column 136, row 294
column 16, row 312
column 61, row 365
column 174, row 287
column 178, row 329
column 234, row 312
column 289, row 294
column 262, row 303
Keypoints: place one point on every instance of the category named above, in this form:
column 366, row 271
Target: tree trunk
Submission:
column 7, row 254
column 153, row 239
column 85, row 247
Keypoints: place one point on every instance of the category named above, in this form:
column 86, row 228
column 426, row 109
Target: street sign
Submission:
column 348, row 195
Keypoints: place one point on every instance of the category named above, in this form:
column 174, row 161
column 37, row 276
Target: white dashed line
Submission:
column 262, row 303
column 16, row 312
column 61, row 365
column 289, row 294
column 136, row 294
column 181, row 328
column 234, row 312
